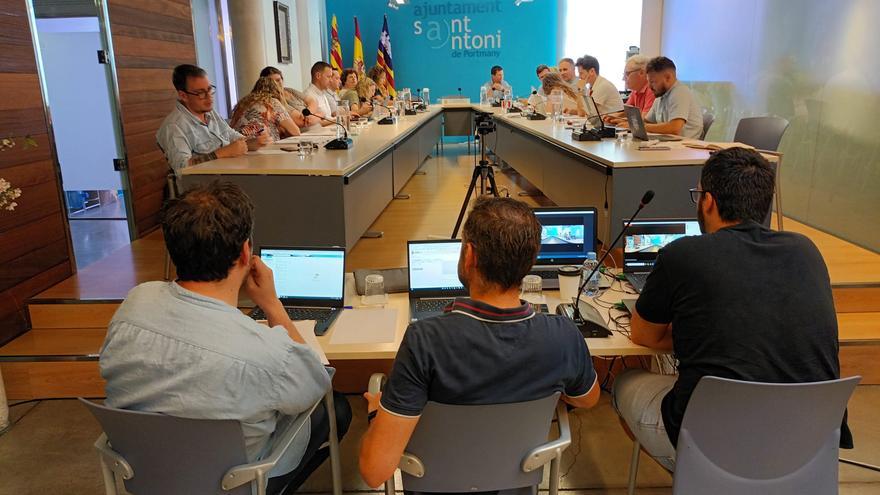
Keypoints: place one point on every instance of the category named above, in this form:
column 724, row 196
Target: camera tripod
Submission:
column 482, row 171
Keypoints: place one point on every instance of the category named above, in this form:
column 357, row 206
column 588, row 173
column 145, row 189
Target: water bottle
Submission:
column 592, row 286
column 426, row 96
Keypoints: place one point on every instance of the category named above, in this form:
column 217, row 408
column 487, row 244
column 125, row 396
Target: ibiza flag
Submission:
column 358, row 57
column 335, row 47
column 383, row 57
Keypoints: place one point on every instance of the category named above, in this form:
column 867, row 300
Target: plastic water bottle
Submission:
column 592, row 286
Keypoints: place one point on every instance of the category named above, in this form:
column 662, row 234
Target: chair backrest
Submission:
column 764, row 133
column 478, row 448
column 708, row 119
column 761, row 438
column 173, row 455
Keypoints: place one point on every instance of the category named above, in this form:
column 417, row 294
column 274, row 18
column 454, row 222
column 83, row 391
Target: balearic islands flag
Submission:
column 335, row 48
column 383, row 57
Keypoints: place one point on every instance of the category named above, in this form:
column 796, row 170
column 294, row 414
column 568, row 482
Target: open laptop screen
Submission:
column 433, row 268
column 567, row 235
column 307, row 275
column 644, row 238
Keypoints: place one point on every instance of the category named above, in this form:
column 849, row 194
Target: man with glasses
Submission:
column 194, row 132
column 741, row 302
column 635, row 76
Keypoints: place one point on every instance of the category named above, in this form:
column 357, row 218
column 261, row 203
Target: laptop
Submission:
column 643, row 240
column 309, row 282
column 433, row 276
column 567, row 235
column 637, row 126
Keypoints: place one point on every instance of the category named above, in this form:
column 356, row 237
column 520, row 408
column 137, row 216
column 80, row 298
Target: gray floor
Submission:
column 95, row 239
column 49, row 450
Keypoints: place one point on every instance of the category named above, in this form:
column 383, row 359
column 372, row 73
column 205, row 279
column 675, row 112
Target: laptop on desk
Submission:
column 637, row 126
column 643, row 240
column 433, row 276
column 567, row 235
column 309, row 282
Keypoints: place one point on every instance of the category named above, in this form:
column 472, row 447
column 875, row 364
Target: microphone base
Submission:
column 386, row 121
column 589, row 329
column 513, row 109
column 339, row 144
column 409, row 112
column 608, row 132
column 536, row 116
column 586, row 135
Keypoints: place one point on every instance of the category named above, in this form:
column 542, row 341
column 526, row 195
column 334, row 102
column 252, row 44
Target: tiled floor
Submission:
column 94, row 239
column 49, row 450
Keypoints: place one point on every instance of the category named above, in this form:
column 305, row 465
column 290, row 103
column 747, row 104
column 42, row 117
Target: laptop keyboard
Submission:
column 545, row 274
column 427, row 305
column 637, row 280
column 318, row 314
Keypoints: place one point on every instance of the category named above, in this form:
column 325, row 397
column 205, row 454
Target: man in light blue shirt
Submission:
column 497, row 86
column 194, row 132
column 183, row 348
column 675, row 111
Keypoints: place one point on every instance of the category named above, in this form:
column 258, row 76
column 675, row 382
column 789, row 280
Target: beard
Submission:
column 700, row 218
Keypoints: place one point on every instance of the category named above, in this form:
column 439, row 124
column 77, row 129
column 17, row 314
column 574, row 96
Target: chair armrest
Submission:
column 257, row 470
column 377, row 383
column 112, row 459
column 541, row 455
column 411, row 465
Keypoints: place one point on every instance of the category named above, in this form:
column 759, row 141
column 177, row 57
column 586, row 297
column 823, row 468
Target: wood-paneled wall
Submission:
column 34, row 242
column 149, row 39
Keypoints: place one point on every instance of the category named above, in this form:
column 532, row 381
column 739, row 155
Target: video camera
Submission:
column 483, row 122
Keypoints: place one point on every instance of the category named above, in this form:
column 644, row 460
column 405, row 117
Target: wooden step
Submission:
column 71, row 314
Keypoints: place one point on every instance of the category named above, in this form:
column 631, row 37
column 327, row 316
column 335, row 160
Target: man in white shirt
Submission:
column 496, row 86
column 322, row 81
column 603, row 92
column 566, row 72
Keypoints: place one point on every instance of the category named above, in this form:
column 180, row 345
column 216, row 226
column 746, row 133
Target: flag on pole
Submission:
column 335, row 48
column 358, row 57
column 383, row 56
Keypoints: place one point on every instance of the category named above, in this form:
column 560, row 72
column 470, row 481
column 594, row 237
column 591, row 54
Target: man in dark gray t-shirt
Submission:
column 741, row 302
column 489, row 348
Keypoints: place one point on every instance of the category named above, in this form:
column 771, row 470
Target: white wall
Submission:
column 79, row 102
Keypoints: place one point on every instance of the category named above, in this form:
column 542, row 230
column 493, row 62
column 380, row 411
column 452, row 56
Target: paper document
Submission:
column 270, row 151
column 306, row 328
column 364, row 326
column 715, row 146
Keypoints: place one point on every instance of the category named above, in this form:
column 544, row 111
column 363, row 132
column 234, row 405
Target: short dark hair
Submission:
column 318, row 67
column 183, row 72
column 541, row 68
column 506, row 237
column 346, row 73
column 742, row 182
column 660, row 64
column 588, row 62
column 205, row 229
column 495, row 69
column 269, row 70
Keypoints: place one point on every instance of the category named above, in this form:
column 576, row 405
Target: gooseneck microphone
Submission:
column 342, row 143
column 576, row 316
column 387, row 120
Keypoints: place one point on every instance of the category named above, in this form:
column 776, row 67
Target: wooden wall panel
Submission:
column 35, row 243
column 149, row 40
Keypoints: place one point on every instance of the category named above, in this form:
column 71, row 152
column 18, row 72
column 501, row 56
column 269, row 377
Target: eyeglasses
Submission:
column 695, row 194
column 203, row 94
column 628, row 72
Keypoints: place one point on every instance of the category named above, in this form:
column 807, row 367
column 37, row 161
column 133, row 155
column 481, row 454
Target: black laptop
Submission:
column 309, row 281
column 433, row 276
column 643, row 240
column 567, row 235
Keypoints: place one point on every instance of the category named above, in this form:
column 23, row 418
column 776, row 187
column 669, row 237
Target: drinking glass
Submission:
column 374, row 290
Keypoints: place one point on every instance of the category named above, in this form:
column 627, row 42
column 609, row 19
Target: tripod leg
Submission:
column 467, row 198
column 491, row 176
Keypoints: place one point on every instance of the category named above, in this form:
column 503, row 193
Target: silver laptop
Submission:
column 644, row 239
column 309, row 282
column 567, row 235
column 637, row 126
column 433, row 276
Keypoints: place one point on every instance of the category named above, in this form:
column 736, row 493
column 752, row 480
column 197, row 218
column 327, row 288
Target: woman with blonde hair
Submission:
column 263, row 109
column 366, row 90
column 380, row 77
column 573, row 102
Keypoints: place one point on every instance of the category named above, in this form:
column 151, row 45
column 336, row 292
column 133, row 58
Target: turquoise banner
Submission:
column 448, row 45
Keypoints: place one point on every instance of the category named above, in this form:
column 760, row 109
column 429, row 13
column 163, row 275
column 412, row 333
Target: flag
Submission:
column 383, row 56
column 358, row 57
column 335, row 48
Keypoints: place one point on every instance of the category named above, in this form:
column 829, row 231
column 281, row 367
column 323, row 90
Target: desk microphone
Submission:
column 594, row 134
column 459, row 92
column 342, row 143
column 388, row 120
column 586, row 326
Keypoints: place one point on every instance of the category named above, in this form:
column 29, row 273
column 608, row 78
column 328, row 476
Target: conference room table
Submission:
column 331, row 197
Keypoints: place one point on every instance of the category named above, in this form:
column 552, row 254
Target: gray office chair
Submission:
column 760, row 438
column 763, row 133
column 172, row 191
column 156, row 453
column 483, row 448
column 708, row 120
